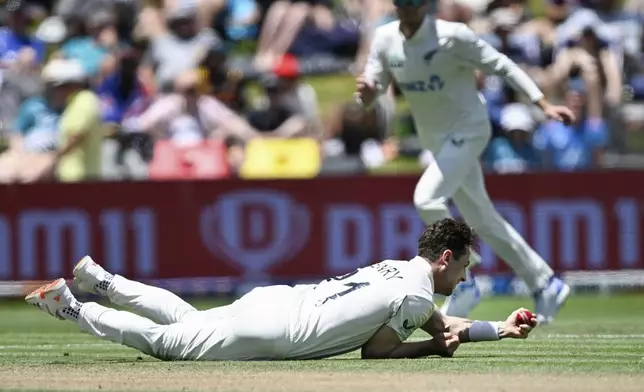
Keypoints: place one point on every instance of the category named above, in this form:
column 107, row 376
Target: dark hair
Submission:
column 445, row 234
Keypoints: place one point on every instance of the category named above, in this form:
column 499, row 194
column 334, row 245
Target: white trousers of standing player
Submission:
column 457, row 174
column 167, row 327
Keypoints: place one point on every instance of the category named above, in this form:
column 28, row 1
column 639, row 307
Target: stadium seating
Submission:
column 207, row 160
column 281, row 158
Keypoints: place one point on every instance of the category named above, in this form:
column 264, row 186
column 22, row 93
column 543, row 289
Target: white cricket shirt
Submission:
column 435, row 71
column 341, row 314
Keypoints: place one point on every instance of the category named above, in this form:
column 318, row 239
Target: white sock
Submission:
column 104, row 284
column 72, row 311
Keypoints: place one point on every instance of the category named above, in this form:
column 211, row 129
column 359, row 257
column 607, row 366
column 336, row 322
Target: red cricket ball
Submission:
column 525, row 317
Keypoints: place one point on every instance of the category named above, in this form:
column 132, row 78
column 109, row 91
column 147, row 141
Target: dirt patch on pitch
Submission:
column 122, row 377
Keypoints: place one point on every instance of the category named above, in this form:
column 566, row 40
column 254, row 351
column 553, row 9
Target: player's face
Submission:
column 411, row 11
column 451, row 272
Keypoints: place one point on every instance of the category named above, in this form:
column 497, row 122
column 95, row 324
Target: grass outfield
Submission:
column 597, row 344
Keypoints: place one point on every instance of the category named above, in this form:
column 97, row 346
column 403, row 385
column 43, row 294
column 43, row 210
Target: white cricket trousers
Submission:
column 456, row 174
column 166, row 327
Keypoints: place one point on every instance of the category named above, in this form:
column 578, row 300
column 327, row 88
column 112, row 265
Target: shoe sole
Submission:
column 40, row 294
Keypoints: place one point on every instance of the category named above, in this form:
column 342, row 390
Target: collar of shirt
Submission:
column 421, row 34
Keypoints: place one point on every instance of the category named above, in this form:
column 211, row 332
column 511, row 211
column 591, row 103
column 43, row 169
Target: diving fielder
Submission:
column 375, row 308
column 434, row 62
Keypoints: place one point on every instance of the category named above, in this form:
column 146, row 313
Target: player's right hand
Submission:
column 512, row 329
column 365, row 90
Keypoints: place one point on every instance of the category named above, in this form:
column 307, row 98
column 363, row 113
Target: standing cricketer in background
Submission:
column 434, row 62
column 375, row 308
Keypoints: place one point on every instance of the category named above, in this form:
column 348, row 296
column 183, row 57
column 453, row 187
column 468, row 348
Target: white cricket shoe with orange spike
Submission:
column 52, row 298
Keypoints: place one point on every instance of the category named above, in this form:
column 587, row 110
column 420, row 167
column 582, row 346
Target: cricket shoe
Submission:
column 91, row 277
column 464, row 298
column 54, row 298
column 549, row 301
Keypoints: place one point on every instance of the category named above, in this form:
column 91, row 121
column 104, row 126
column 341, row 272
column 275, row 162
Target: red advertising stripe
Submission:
column 300, row 229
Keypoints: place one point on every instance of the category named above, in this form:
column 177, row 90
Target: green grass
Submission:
column 597, row 344
column 592, row 334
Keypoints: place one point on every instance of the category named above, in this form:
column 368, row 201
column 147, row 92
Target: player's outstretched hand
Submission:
column 560, row 113
column 518, row 325
column 365, row 91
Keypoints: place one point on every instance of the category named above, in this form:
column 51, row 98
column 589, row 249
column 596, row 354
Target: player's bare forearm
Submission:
column 438, row 323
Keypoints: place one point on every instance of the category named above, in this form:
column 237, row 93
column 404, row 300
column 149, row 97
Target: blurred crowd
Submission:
column 161, row 89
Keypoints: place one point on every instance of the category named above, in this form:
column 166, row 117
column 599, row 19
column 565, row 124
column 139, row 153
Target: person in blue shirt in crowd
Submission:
column 241, row 19
column 14, row 38
column 524, row 49
column 123, row 96
column 513, row 152
column 37, row 124
column 35, row 138
column 578, row 146
column 121, row 93
column 96, row 39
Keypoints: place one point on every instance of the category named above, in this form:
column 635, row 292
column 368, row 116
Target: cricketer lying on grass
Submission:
column 375, row 308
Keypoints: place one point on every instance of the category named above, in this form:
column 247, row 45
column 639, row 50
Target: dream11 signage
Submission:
column 301, row 229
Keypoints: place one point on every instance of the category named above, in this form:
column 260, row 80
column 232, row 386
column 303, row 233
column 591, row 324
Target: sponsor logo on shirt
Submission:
column 457, row 142
column 435, row 83
column 407, row 326
column 430, row 55
column 396, row 61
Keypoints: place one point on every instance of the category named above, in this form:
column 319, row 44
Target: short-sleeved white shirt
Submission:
column 434, row 69
column 341, row 314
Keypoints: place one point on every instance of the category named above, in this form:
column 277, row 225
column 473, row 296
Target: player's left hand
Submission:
column 446, row 344
column 517, row 327
column 559, row 113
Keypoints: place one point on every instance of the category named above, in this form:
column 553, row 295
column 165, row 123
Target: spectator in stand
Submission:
column 279, row 116
column 578, row 146
column 92, row 45
column 522, row 49
column 238, row 20
column 622, row 30
column 283, row 22
column 513, row 152
column 180, row 48
column 369, row 15
column 15, row 39
column 122, row 93
column 287, row 90
column 188, row 116
column 589, row 53
column 226, row 84
column 21, row 56
column 78, row 157
column 34, row 139
column 361, row 136
column 592, row 54
column 123, row 96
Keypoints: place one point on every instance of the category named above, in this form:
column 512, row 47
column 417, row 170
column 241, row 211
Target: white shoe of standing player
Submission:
column 465, row 297
column 549, row 301
column 52, row 298
column 87, row 275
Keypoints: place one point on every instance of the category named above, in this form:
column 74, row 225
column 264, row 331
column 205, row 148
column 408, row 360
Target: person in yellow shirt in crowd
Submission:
column 78, row 157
